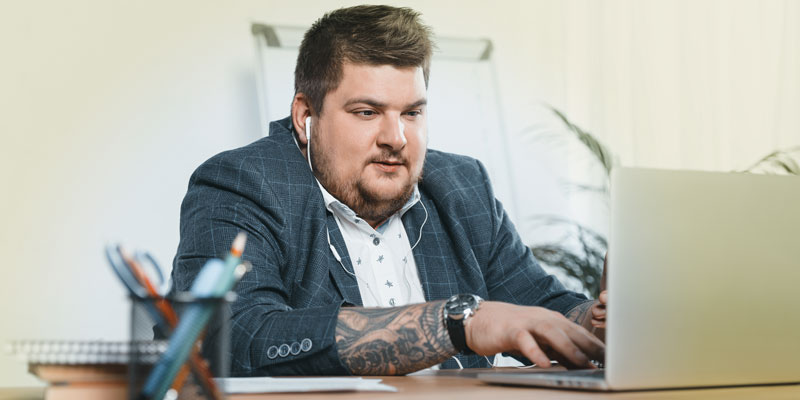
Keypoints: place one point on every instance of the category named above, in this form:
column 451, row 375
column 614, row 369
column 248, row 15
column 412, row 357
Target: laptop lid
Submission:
column 704, row 272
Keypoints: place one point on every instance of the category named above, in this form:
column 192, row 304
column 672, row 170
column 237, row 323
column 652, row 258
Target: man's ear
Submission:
column 301, row 108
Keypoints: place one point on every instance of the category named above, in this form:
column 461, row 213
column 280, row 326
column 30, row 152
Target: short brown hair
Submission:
column 367, row 34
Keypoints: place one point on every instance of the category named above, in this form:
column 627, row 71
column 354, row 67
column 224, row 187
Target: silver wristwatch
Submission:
column 456, row 311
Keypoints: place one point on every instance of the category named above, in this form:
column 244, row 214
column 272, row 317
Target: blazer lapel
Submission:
column 347, row 283
column 435, row 270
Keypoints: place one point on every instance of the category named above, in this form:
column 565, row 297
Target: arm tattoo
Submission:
column 581, row 314
column 392, row 341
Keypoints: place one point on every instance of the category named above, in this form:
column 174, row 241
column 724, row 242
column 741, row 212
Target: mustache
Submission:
column 387, row 156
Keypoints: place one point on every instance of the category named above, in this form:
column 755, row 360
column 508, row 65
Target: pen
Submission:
column 196, row 361
column 214, row 280
column 138, row 273
column 231, row 261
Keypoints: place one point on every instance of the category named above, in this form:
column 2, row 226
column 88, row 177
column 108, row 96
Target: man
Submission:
column 360, row 237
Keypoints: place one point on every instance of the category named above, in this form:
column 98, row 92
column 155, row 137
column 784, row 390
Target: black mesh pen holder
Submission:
column 154, row 323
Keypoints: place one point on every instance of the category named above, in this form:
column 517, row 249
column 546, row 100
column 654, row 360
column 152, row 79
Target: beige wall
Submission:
column 107, row 107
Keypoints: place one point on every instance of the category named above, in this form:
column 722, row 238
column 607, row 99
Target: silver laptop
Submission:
column 704, row 284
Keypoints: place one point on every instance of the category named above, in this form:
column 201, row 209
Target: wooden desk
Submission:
column 463, row 388
column 453, row 386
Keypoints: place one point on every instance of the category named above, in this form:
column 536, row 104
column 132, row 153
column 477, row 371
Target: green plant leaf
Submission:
column 584, row 262
column 779, row 162
column 601, row 152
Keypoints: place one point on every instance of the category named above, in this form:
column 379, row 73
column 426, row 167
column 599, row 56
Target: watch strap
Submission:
column 455, row 328
column 455, row 323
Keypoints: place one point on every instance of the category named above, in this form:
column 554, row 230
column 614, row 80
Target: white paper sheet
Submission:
column 286, row 385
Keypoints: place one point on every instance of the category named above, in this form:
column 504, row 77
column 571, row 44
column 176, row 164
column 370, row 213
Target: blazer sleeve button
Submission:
column 305, row 345
column 272, row 352
column 295, row 348
column 283, row 351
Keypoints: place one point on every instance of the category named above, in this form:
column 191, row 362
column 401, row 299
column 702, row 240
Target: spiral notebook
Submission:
column 66, row 352
column 72, row 361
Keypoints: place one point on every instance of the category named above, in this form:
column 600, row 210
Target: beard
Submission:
column 369, row 204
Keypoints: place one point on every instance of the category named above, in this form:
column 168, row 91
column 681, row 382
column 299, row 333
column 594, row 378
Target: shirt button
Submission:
column 283, row 351
column 305, row 345
column 272, row 352
column 376, row 241
column 295, row 348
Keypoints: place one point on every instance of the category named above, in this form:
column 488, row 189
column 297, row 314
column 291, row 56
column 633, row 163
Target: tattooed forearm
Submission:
column 582, row 314
column 392, row 341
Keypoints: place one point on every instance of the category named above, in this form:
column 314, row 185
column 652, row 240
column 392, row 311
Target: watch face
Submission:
column 461, row 304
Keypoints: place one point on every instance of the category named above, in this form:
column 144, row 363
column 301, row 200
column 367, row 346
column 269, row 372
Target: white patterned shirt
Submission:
column 382, row 260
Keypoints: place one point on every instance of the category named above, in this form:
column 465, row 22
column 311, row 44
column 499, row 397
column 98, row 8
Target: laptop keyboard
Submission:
column 599, row 373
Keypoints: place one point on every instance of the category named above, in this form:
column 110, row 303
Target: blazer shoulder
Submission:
column 270, row 158
column 453, row 171
column 270, row 172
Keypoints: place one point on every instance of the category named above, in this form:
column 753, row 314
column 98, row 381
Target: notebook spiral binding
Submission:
column 76, row 352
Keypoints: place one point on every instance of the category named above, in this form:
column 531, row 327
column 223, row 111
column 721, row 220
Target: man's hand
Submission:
column 534, row 332
column 599, row 307
column 400, row 340
column 599, row 311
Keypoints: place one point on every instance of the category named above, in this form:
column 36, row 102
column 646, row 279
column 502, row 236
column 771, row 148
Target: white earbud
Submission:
column 308, row 141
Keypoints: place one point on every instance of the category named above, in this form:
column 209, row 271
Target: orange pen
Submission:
column 196, row 361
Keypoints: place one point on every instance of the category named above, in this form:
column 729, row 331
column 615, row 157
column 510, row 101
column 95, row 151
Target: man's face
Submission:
column 368, row 144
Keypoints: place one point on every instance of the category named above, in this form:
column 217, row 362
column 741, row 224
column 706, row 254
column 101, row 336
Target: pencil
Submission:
column 196, row 361
column 215, row 279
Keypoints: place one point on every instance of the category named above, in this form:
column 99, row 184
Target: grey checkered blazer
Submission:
column 284, row 320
